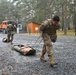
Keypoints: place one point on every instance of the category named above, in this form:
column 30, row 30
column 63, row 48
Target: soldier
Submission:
column 48, row 29
column 10, row 32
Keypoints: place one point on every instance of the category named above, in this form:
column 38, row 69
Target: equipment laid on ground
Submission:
column 24, row 49
column 5, row 40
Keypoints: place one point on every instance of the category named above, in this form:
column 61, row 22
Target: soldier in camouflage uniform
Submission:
column 10, row 32
column 48, row 29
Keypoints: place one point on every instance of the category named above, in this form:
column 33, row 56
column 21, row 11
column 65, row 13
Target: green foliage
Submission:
column 36, row 10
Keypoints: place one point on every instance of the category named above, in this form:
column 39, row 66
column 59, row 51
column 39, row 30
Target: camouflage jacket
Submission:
column 11, row 27
column 47, row 27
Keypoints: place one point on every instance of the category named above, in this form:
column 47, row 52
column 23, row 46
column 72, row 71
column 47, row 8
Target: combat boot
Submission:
column 52, row 62
column 42, row 58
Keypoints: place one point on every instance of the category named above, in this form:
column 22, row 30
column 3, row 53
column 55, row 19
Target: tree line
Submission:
column 39, row 10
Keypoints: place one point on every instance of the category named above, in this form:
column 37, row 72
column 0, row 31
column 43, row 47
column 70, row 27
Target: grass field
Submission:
column 69, row 33
column 59, row 33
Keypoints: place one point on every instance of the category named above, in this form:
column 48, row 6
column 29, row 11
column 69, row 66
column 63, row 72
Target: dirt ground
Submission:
column 13, row 63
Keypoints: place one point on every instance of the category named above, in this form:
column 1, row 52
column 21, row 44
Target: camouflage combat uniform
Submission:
column 10, row 32
column 49, row 35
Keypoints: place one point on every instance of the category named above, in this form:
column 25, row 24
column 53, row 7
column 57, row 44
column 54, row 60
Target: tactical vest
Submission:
column 47, row 27
column 10, row 27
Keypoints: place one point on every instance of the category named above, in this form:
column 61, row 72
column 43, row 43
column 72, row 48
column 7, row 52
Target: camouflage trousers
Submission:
column 47, row 47
column 10, row 35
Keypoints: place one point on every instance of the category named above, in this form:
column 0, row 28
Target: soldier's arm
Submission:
column 14, row 27
column 44, row 25
column 58, row 26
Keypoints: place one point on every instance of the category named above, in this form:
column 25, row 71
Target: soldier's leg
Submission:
column 50, row 55
column 43, row 53
column 8, row 37
column 44, row 47
column 11, row 39
column 49, row 49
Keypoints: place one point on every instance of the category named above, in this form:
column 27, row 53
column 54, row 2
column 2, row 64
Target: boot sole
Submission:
column 42, row 60
column 54, row 65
